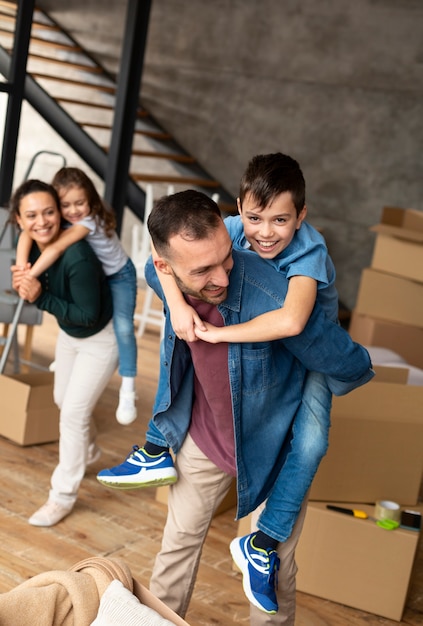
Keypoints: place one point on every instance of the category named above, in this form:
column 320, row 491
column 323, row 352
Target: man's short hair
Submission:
column 191, row 214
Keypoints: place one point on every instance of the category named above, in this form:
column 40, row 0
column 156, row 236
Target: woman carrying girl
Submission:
column 75, row 290
column 86, row 216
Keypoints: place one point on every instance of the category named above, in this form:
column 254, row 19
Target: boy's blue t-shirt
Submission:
column 306, row 255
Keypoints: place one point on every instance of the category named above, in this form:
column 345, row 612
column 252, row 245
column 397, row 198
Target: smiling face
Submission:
column 39, row 217
column 270, row 230
column 73, row 203
column 200, row 267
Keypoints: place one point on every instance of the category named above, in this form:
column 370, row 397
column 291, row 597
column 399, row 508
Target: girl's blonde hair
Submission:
column 68, row 177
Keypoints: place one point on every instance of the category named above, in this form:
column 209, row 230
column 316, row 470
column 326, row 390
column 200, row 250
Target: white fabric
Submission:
column 119, row 607
column 83, row 369
column 108, row 249
column 381, row 356
column 388, row 358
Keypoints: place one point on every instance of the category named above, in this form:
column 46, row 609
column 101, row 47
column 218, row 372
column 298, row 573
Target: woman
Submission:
column 74, row 289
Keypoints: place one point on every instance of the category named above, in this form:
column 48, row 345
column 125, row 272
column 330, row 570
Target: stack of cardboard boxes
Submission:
column 375, row 452
column 389, row 308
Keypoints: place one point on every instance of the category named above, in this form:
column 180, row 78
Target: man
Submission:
column 227, row 409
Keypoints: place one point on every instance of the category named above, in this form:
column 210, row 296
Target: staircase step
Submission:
column 177, row 180
column 180, row 158
column 153, row 134
column 71, row 81
column 92, row 69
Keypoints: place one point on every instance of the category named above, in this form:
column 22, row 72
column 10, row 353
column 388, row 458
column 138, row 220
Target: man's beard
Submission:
column 199, row 295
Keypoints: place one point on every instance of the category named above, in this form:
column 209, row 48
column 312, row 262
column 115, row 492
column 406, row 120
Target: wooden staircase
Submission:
column 86, row 92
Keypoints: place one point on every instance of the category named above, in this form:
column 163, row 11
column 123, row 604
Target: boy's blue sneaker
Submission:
column 259, row 569
column 140, row 470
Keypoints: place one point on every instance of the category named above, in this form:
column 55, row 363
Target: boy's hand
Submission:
column 212, row 334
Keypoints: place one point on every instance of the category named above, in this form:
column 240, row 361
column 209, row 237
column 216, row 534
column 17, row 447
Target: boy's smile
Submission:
column 269, row 230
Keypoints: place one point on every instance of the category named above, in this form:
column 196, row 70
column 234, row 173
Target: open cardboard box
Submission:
column 354, row 562
column 146, row 597
column 406, row 224
column 405, row 340
column 390, row 298
column 375, row 443
column 28, row 414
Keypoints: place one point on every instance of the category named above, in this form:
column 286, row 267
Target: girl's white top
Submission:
column 108, row 249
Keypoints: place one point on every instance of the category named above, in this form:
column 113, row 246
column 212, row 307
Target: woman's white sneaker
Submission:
column 50, row 514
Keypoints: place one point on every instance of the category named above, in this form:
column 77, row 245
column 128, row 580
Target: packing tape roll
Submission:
column 385, row 509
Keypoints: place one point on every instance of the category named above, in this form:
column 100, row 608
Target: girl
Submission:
column 86, row 215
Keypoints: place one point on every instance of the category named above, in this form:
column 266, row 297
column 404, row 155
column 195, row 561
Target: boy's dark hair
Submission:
column 30, row 186
column 189, row 213
column 268, row 175
column 68, row 177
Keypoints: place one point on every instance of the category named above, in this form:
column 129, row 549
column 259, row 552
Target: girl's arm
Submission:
column 23, row 249
column 55, row 250
column 288, row 321
column 182, row 316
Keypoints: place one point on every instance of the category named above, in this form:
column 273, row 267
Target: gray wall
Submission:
column 336, row 84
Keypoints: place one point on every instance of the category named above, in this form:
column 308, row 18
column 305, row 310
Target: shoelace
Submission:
column 134, row 451
column 274, row 563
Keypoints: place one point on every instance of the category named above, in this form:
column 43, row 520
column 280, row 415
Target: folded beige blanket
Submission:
column 63, row 598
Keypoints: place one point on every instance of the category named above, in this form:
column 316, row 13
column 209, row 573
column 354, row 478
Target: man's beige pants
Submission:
column 200, row 488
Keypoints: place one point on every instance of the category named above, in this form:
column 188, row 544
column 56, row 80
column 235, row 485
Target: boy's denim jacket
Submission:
column 266, row 379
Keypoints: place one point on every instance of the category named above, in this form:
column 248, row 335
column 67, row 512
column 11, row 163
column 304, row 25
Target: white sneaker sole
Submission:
column 136, row 481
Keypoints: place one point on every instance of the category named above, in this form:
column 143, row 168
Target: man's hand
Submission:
column 184, row 322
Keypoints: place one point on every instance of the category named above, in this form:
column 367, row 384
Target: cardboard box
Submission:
column 390, row 298
column 406, row 224
column 375, row 443
column 354, row 562
column 28, row 414
column 399, row 244
column 146, row 597
column 399, row 257
column 405, row 340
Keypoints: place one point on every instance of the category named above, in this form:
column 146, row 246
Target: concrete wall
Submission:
column 336, row 84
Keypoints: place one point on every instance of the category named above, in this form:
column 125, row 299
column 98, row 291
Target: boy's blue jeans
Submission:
column 309, row 443
column 123, row 286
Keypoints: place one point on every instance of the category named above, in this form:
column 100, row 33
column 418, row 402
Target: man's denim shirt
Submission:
column 266, row 378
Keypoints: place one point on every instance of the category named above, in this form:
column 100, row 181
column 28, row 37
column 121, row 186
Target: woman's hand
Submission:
column 18, row 272
column 29, row 287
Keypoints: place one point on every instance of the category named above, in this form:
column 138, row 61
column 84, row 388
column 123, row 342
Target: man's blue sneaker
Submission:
column 140, row 470
column 259, row 569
